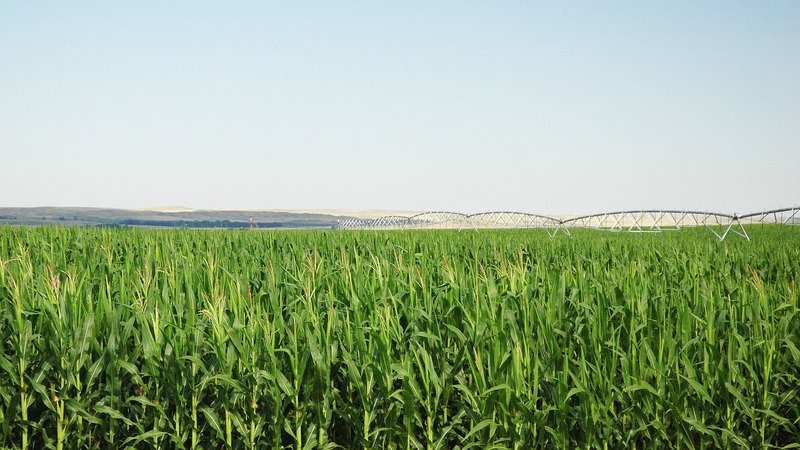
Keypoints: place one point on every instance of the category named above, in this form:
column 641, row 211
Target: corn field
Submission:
column 115, row 338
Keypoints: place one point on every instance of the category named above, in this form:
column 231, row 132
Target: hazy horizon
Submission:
column 463, row 106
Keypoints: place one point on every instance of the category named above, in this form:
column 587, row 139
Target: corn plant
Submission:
column 134, row 338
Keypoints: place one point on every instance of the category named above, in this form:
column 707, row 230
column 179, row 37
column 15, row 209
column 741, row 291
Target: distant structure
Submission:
column 252, row 224
column 632, row 221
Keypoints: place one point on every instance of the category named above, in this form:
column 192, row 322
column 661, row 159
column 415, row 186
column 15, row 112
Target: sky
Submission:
column 556, row 107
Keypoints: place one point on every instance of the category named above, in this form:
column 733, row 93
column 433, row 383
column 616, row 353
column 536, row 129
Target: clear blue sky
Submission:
column 551, row 107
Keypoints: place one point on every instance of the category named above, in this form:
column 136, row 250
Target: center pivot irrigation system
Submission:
column 633, row 221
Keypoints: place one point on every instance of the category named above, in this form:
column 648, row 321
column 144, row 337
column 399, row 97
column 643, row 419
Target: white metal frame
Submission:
column 631, row 221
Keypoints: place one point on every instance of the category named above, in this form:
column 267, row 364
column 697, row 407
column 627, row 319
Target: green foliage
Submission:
column 405, row 339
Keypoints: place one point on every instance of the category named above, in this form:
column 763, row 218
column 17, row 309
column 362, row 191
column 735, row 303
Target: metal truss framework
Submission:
column 655, row 221
column 507, row 219
column 632, row 221
column 439, row 219
column 784, row 216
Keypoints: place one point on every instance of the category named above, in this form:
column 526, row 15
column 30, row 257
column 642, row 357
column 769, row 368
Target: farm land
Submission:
column 147, row 338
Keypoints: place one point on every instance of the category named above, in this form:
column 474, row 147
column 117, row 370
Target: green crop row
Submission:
column 406, row 339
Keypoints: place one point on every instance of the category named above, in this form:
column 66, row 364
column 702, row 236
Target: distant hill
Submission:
column 180, row 218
